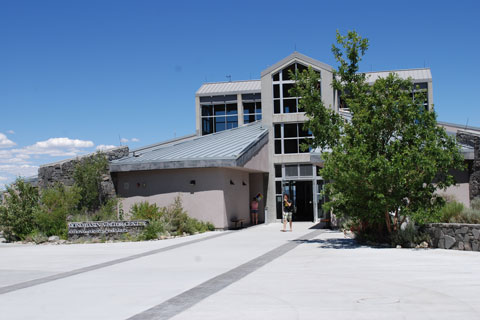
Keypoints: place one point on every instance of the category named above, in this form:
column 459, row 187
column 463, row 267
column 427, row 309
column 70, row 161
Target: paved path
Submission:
column 255, row 273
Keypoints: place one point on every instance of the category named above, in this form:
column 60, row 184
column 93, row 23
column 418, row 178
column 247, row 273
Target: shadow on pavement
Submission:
column 333, row 243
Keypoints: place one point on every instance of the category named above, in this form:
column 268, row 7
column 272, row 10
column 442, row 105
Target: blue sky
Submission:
column 76, row 75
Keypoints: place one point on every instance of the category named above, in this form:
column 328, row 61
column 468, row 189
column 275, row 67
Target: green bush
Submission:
column 88, row 177
column 56, row 204
column 107, row 211
column 17, row 213
column 467, row 216
column 409, row 237
column 450, row 211
column 145, row 211
column 37, row 237
column 475, row 203
column 167, row 220
column 152, row 231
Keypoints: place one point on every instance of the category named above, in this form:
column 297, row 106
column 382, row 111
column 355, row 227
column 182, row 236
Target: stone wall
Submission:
column 62, row 171
column 456, row 236
column 473, row 141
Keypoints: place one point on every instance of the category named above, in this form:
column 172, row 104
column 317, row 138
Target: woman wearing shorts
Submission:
column 287, row 212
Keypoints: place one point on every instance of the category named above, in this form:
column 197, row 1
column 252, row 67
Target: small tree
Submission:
column 56, row 203
column 88, row 177
column 386, row 162
column 17, row 217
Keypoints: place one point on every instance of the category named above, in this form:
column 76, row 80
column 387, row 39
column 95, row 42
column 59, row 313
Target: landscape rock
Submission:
column 449, row 241
column 398, row 246
column 53, row 238
column 424, row 244
column 3, row 240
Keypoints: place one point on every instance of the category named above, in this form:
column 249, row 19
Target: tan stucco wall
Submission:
column 212, row 198
column 259, row 162
column 459, row 192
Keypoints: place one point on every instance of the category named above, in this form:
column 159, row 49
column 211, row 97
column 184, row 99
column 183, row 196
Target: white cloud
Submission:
column 3, row 178
column 56, row 147
column 24, row 170
column 5, row 142
column 135, row 140
column 11, row 132
column 124, row 140
column 105, row 147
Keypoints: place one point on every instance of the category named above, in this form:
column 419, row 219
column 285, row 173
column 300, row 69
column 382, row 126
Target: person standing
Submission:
column 287, row 212
column 254, row 210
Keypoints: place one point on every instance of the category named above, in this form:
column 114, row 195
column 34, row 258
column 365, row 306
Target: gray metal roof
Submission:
column 297, row 56
column 416, row 74
column 229, row 148
column 232, row 87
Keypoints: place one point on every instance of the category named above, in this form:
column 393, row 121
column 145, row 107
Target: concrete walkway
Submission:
column 255, row 273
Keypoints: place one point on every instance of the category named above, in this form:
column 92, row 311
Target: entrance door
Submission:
column 301, row 192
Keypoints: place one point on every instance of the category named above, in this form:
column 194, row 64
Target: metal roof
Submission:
column 232, row 87
column 296, row 57
column 416, row 74
column 229, row 148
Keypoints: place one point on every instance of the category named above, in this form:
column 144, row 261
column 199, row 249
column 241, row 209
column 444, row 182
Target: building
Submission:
column 247, row 141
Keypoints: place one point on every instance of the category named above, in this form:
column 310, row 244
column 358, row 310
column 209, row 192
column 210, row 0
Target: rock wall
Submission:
column 473, row 141
column 62, row 171
column 456, row 236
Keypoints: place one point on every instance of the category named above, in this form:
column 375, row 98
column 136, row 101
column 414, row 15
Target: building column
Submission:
column 240, row 109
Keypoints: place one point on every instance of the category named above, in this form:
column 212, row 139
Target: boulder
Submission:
column 53, row 238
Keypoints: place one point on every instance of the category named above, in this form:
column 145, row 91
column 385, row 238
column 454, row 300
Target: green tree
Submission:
column 17, row 218
column 88, row 177
column 56, row 203
column 387, row 161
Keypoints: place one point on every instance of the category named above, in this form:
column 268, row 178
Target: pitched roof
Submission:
column 297, row 56
column 229, row 148
column 232, row 87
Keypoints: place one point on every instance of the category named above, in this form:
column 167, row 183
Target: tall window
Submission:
column 283, row 101
column 218, row 113
column 252, row 107
column 289, row 138
column 421, row 89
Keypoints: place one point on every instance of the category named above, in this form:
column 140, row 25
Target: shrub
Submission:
column 17, row 218
column 56, row 204
column 475, row 203
column 450, row 210
column 107, row 211
column 409, row 237
column 88, row 177
column 37, row 237
column 167, row 220
column 145, row 211
column 467, row 216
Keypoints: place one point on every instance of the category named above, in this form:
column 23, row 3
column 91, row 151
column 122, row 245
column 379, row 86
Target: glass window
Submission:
column 232, row 122
column 276, row 106
column 276, row 91
column 306, row 170
column 248, row 107
column 278, row 171
column 207, row 110
column 285, row 72
column 279, row 206
column 305, row 141
column 278, row 146
column 220, row 124
column 276, row 76
column 219, row 110
column 290, row 146
column 232, row 108
column 258, row 107
column 290, row 130
column 278, row 187
column 303, row 132
column 291, row 170
column 301, row 67
column 207, row 125
column 278, row 131
column 289, row 105
column 286, row 90
column 248, row 118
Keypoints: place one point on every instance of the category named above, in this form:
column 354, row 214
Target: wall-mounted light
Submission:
column 231, row 182
column 243, row 183
column 193, row 182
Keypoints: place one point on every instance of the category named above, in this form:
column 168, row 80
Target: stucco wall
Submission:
column 212, row 198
